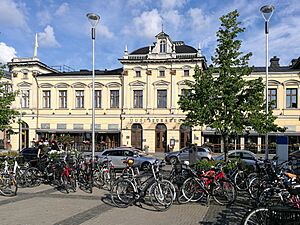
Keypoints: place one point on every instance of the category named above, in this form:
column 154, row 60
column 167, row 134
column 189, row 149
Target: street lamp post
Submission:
column 94, row 19
column 267, row 12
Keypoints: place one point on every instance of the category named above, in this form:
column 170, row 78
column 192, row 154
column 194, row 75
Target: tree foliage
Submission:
column 7, row 96
column 223, row 97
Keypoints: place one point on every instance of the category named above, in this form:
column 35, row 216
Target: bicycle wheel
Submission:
column 65, row 183
column 162, row 195
column 191, row 189
column 257, row 217
column 224, row 193
column 123, row 193
column 8, row 185
column 33, row 177
column 72, row 181
column 241, row 181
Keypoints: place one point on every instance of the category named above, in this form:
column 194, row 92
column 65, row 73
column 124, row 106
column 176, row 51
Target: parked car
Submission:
column 182, row 155
column 29, row 153
column 248, row 157
column 295, row 155
column 118, row 155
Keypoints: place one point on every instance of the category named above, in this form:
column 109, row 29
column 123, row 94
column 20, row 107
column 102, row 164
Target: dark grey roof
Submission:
column 86, row 72
column 278, row 69
column 178, row 49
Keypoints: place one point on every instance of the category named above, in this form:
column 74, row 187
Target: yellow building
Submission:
column 136, row 105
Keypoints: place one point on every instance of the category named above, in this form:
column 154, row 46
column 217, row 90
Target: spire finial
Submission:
column 36, row 45
column 162, row 27
column 199, row 50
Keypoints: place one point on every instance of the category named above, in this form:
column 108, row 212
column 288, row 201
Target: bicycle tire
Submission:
column 161, row 195
column 241, row 181
column 190, row 187
column 65, row 183
column 33, row 177
column 224, row 193
column 8, row 186
column 257, row 216
column 123, row 193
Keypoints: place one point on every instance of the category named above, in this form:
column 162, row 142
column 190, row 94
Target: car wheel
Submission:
column 173, row 160
column 145, row 166
column 204, row 159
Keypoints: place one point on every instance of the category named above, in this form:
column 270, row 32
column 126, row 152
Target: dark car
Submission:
column 294, row 157
column 29, row 153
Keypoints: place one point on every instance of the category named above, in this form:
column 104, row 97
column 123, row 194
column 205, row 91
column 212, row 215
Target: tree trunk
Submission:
column 225, row 141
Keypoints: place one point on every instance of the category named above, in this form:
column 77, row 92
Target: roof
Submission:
column 178, row 49
column 85, row 72
column 272, row 69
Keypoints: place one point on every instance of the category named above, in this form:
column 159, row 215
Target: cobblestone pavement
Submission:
column 46, row 205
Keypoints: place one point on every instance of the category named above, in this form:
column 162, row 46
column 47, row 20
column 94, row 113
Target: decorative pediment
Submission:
column 138, row 68
column 291, row 82
column 24, row 84
column 97, row 85
column 62, row 85
column 161, row 83
column 186, row 67
column 137, row 83
column 78, row 85
column 113, row 84
column 46, row 85
column 161, row 68
column 274, row 83
column 182, row 82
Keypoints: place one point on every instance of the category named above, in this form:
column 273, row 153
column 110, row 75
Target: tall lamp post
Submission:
column 267, row 12
column 94, row 19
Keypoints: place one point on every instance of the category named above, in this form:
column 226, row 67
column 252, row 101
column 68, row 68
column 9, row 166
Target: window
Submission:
column 291, row 98
column 98, row 99
column 62, row 99
column 161, row 73
column 163, row 46
column 128, row 153
column 114, row 99
column 273, row 97
column 25, row 75
column 138, row 99
column 79, row 99
column 185, row 92
column 25, row 99
column 46, row 99
column 161, row 98
column 138, row 73
column 186, row 73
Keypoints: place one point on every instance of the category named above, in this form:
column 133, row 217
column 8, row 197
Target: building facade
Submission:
column 136, row 105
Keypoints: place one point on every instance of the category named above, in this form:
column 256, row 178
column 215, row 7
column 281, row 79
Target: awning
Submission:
column 58, row 131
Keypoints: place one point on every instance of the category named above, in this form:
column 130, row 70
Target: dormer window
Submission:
column 161, row 73
column 163, row 46
column 25, row 74
column 138, row 73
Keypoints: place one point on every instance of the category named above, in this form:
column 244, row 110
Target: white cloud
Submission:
column 6, row 53
column 170, row 4
column 173, row 17
column 12, row 14
column 47, row 38
column 44, row 17
column 148, row 24
column 62, row 9
column 104, row 31
column 199, row 20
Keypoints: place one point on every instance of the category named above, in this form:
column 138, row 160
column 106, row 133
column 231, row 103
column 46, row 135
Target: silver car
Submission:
column 119, row 155
column 182, row 155
column 248, row 157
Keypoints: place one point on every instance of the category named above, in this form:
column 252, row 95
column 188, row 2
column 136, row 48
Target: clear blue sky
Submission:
column 64, row 31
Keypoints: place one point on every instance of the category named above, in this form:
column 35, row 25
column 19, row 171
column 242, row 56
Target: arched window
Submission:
column 160, row 138
column 137, row 135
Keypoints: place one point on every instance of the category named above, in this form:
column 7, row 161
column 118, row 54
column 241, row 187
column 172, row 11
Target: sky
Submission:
column 64, row 32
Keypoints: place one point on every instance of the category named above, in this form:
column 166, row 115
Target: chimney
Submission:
column 274, row 62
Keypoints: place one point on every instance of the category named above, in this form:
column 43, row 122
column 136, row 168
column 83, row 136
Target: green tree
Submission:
column 222, row 97
column 7, row 96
